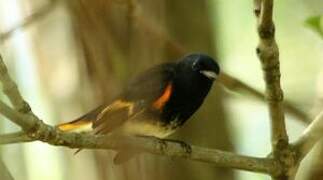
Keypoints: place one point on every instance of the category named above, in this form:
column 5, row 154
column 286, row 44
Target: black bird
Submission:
column 156, row 103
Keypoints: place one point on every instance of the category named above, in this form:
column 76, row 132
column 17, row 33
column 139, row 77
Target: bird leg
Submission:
column 187, row 148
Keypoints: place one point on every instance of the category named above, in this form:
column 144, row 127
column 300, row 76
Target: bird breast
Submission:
column 149, row 127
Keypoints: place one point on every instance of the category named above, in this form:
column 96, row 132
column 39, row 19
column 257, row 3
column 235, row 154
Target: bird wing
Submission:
column 112, row 116
column 150, row 85
column 150, row 89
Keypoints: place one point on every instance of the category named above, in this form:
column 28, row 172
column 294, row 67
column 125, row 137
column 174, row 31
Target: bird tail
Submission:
column 81, row 124
column 78, row 125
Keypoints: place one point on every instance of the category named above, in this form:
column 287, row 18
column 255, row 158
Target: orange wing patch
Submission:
column 162, row 100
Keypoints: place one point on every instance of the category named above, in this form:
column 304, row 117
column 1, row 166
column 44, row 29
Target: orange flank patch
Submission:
column 162, row 100
column 74, row 126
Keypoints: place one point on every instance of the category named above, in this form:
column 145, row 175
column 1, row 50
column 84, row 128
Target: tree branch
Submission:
column 53, row 136
column 257, row 7
column 234, row 84
column 17, row 137
column 11, row 90
column 312, row 134
column 268, row 54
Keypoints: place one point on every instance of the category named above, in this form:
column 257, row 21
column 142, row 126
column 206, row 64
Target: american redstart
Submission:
column 155, row 103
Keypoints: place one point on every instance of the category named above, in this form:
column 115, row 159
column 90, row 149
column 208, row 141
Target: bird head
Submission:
column 202, row 64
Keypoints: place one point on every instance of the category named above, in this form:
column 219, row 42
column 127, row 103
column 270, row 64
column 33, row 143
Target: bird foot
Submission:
column 187, row 148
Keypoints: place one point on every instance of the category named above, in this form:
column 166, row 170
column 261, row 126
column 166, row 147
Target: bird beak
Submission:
column 209, row 74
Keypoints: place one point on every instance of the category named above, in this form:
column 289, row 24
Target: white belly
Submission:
column 145, row 128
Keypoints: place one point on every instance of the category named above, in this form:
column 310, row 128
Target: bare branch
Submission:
column 11, row 90
column 257, row 7
column 23, row 120
column 268, row 54
column 29, row 20
column 17, row 137
column 312, row 134
column 51, row 135
column 234, row 84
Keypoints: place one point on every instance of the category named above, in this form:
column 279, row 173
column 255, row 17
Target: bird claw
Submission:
column 186, row 147
column 162, row 142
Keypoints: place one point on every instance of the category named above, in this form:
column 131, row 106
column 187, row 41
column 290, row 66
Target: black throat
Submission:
column 189, row 91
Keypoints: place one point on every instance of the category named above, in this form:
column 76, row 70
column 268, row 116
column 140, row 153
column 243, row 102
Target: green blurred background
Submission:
column 80, row 53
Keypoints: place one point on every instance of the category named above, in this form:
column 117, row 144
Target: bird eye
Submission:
column 198, row 65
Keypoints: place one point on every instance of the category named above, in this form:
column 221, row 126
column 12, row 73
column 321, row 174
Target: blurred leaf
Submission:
column 316, row 24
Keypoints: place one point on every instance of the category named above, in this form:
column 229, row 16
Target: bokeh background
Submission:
column 78, row 53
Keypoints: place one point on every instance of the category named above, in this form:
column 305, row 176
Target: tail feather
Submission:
column 78, row 125
column 81, row 124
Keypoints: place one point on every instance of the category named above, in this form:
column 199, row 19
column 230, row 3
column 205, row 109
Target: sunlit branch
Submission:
column 234, row 84
column 11, row 90
column 51, row 135
column 268, row 54
column 17, row 137
column 312, row 134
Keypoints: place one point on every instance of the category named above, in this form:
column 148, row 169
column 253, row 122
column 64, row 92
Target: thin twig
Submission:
column 11, row 90
column 26, row 121
column 17, row 137
column 312, row 134
column 268, row 54
column 234, row 84
column 257, row 7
